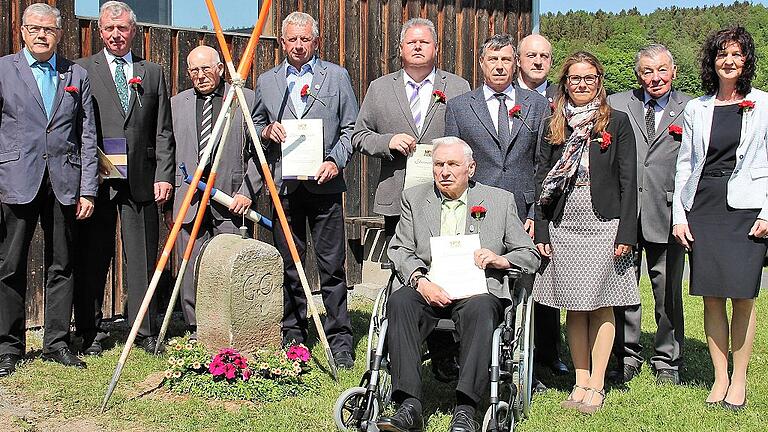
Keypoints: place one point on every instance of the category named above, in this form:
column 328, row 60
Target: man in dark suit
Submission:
column 501, row 123
column 438, row 209
column 133, row 114
column 654, row 108
column 306, row 87
column 47, row 171
column 194, row 113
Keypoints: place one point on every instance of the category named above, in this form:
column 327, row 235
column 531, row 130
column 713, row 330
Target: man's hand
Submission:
column 168, row 218
column 240, row 204
column 528, row 225
column 327, row 171
column 545, row 249
column 433, row 294
column 84, row 208
column 622, row 249
column 485, row 258
column 274, row 132
column 759, row 229
column 403, row 143
column 163, row 191
column 683, row 235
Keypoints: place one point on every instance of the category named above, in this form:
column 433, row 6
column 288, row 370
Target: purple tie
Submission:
column 415, row 104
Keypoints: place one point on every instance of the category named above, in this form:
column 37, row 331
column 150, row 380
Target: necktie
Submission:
column 206, row 123
column 450, row 219
column 47, row 86
column 503, row 119
column 650, row 120
column 415, row 104
column 120, row 83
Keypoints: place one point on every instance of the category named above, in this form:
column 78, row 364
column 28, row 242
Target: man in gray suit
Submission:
column 48, row 170
column 656, row 112
column 194, row 113
column 438, row 209
column 306, row 87
column 133, row 117
column 401, row 109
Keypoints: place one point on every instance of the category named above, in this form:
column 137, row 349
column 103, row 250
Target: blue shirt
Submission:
column 39, row 75
column 296, row 80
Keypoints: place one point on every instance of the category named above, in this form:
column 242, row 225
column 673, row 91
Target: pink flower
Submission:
column 230, row 371
column 298, row 352
column 246, row 374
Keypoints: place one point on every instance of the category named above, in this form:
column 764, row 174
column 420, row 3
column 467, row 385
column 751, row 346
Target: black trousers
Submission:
column 139, row 230
column 546, row 334
column 324, row 213
column 17, row 226
column 411, row 319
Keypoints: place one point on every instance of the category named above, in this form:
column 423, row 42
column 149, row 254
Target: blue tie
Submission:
column 47, row 85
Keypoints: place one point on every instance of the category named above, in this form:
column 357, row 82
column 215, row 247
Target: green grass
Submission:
column 69, row 394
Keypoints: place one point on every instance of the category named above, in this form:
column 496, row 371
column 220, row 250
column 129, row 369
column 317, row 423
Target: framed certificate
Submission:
column 302, row 151
column 453, row 266
column 418, row 168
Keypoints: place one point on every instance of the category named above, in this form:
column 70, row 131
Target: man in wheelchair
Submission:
column 452, row 205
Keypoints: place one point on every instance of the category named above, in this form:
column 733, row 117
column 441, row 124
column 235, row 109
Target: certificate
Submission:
column 453, row 266
column 302, row 151
column 418, row 168
column 108, row 165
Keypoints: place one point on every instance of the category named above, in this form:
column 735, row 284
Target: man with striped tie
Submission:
column 133, row 120
column 194, row 113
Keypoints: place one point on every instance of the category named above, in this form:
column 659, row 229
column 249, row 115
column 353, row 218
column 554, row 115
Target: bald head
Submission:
column 534, row 60
column 205, row 69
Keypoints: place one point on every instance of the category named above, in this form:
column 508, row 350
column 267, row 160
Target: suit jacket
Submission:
column 30, row 142
column 236, row 172
column 613, row 180
column 509, row 166
column 748, row 185
column 332, row 85
column 386, row 112
column 501, row 231
column 655, row 160
column 147, row 127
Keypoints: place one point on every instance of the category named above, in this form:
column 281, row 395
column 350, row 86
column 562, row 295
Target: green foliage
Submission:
column 615, row 38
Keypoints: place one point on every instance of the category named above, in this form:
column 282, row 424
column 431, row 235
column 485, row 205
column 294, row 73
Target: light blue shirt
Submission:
column 40, row 76
column 296, row 80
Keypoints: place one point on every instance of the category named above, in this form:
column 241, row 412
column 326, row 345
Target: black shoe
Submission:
column 462, row 421
column 148, row 344
column 733, row 407
column 344, row 360
column 91, row 347
column 406, row 419
column 667, row 376
column 445, row 369
column 65, row 357
column 538, row 386
column 8, row 363
column 558, row 367
column 623, row 375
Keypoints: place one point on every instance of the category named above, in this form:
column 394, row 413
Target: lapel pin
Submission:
column 471, row 228
column 672, row 113
column 61, row 76
column 317, row 86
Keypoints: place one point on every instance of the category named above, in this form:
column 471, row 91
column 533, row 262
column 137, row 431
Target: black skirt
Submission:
column 725, row 261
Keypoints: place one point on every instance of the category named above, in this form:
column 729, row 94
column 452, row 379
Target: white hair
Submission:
column 451, row 141
column 115, row 9
column 652, row 51
column 41, row 9
column 300, row 19
column 413, row 22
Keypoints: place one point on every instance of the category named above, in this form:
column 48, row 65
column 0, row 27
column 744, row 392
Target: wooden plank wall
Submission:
column 361, row 35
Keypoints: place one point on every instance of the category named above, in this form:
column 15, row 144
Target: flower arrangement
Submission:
column 135, row 84
column 229, row 364
column 283, row 364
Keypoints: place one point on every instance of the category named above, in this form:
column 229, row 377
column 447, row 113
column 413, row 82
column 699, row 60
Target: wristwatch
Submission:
column 417, row 278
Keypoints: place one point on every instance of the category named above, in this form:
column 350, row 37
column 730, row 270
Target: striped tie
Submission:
column 650, row 120
column 121, row 84
column 415, row 104
column 206, row 123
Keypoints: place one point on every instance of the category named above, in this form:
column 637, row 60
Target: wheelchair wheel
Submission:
column 385, row 385
column 374, row 328
column 349, row 411
column 504, row 419
column 525, row 367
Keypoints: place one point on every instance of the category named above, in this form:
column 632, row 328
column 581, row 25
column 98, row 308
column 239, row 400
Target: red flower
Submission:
column 135, row 81
column 675, row 130
column 604, row 140
column 305, row 90
column 71, row 89
column 552, row 106
column 746, row 105
column 515, row 111
column 478, row 212
column 439, row 96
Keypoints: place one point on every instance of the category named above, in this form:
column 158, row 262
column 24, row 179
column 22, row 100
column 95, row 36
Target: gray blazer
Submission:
column 655, row 160
column 30, row 142
column 501, row 231
column 748, row 185
column 339, row 111
column 509, row 166
column 385, row 112
column 237, row 172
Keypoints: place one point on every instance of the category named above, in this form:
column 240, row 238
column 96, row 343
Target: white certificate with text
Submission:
column 418, row 168
column 302, row 151
column 453, row 266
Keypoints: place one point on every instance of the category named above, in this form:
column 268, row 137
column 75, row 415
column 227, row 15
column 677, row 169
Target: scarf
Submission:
column 581, row 120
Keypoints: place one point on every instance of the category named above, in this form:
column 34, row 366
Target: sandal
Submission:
column 572, row 403
column 586, row 407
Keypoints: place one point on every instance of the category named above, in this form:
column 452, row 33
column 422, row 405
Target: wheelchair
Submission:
column 511, row 370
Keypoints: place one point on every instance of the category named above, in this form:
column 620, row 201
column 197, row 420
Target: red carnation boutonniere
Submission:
column 746, row 105
column 516, row 111
column 675, row 130
column 305, row 92
column 478, row 212
column 439, row 96
column 604, row 140
column 135, row 84
column 71, row 89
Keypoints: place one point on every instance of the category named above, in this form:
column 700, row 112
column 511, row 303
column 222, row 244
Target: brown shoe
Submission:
column 586, row 406
column 572, row 403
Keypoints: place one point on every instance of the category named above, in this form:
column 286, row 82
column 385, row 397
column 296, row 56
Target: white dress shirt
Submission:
column 493, row 103
column 425, row 92
column 127, row 68
column 541, row 89
column 661, row 103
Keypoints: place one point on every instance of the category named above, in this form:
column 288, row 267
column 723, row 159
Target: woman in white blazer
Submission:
column 720, row 204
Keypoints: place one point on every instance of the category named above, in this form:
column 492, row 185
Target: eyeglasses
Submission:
column 203, row 69
column 33, row 29
column 589, row 80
